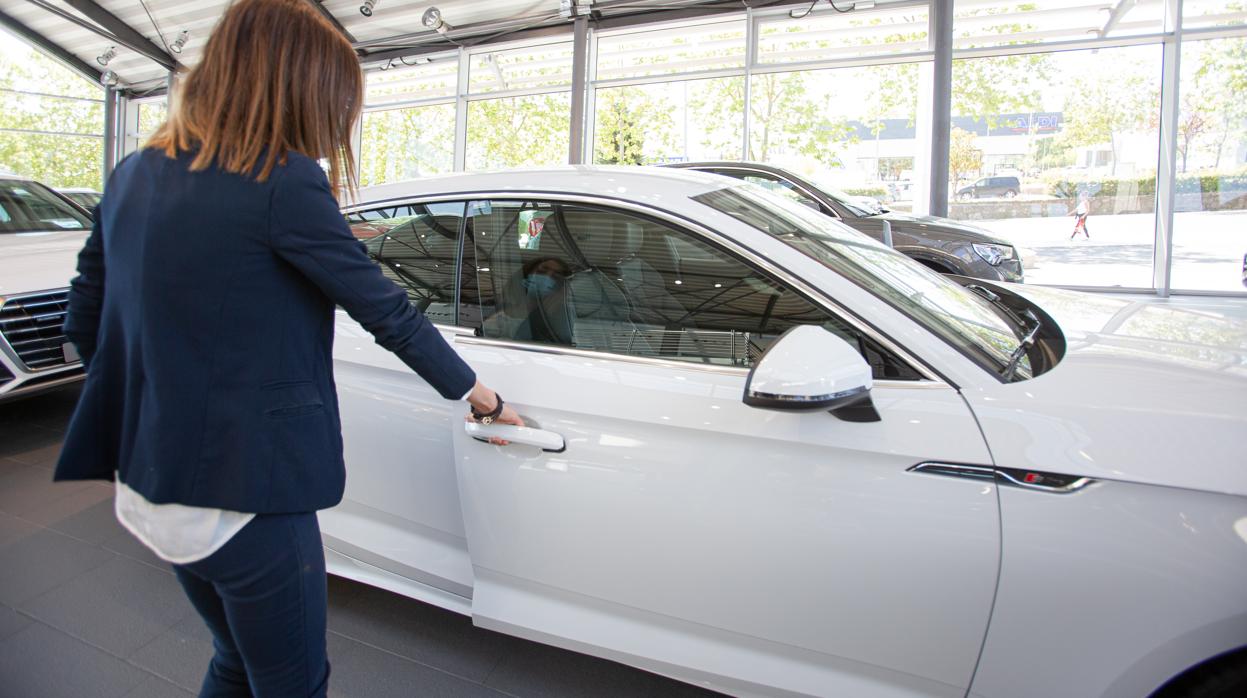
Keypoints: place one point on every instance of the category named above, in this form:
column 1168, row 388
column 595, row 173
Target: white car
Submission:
column 40, row 236
column 769, row 456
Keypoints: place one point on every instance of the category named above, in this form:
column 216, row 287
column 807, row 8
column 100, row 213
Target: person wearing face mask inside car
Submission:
column 550, row 313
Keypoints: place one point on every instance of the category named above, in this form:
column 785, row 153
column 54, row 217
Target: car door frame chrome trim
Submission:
column 470, row 339
column 923, row 368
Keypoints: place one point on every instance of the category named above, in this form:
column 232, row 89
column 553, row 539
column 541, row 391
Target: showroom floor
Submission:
column 85, row 610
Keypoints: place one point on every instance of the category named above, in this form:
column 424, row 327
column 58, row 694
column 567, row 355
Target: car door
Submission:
column 399, row 525
column 678, row 529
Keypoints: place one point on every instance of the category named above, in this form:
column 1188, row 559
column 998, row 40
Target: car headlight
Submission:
column 993, row 254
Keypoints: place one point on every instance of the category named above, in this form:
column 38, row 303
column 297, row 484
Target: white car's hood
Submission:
column 1148, row 391
column 38, row 261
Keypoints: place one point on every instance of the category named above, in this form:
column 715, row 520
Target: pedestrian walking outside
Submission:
column 1080, row 213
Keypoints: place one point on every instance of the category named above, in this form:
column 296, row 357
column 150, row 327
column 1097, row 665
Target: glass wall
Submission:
column 648, row 111
column 1210, row 223
column 1039, row 139
column 524, row 130
column 668, row 122
column 51, row 120
column 1055, row 142
column 400, row 144
column 853, row 129
column 408, row 126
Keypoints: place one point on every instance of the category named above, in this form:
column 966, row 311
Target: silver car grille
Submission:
column 34, row 325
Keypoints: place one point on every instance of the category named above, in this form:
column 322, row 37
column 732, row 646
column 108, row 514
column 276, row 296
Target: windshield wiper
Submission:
column 1031, row 329
column 1016, row 357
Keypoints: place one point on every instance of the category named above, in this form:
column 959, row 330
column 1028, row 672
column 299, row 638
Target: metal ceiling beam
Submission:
column 51, row 48
column 486, row 33
column 319, row 5
column 1119, row 10
column 126, row 33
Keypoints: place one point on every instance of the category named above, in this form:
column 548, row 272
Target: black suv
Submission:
column 987, row 187
column 947, row 246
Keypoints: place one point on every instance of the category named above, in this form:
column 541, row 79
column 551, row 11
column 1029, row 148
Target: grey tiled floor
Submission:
column 85, row 610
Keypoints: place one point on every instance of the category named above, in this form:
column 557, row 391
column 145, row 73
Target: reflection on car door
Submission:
column 680, row 528
column 400, row 512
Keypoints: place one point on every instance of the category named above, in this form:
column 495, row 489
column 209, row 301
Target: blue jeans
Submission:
column 263, row 596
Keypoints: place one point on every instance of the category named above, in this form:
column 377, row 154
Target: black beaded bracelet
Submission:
column 489, row 417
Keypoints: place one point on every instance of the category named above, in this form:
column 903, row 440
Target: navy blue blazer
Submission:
column 204, row 310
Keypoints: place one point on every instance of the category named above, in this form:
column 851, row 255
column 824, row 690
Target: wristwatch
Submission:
column 488, row 417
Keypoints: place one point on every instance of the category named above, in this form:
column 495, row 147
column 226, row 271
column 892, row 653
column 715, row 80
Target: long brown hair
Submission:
column 275, row 76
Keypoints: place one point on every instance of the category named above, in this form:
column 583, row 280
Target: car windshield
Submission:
column 963, row 319
column 27, row 206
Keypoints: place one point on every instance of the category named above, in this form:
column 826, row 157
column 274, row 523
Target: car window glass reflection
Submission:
column 609, row 281
column 416, row 247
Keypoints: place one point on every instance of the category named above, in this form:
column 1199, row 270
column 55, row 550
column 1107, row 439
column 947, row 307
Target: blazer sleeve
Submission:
column 308, row 231
column 86, row 295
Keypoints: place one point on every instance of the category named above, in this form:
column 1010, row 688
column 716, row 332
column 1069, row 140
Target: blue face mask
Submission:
column 539, row 284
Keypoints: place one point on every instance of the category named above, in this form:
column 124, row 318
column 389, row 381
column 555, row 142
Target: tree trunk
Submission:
column 1112, row 141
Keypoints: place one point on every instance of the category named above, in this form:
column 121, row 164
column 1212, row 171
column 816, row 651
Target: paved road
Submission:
column 1208, row 249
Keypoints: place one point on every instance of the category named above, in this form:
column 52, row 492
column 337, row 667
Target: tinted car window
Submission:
column 27, row 206
column 417, row 247
column 610, row 281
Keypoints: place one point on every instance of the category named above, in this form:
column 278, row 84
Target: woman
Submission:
column 204, row 310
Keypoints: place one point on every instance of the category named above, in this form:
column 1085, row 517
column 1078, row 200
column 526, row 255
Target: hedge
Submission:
column 877, row 192
column 1207, row 183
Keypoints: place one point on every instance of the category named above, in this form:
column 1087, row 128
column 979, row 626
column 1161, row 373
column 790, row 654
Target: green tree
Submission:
column 782, row 117
column 1217, row 86
column 986, row 88
column 403, row 144
column 1099, row 108
column 55, row 140
column 518, row 131
column 629, row 119
column 781, row 113
column 963, row 157
column 1051, row 152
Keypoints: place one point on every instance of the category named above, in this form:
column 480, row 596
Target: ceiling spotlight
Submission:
column 575, row 8
column 106, row 56
column 367, row 7
column 108, row 78
column 180, row 43
column 433, row 20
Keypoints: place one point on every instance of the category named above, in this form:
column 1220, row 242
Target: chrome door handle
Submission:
column 545, row 440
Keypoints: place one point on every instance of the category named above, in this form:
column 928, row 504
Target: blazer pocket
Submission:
column 291, row 399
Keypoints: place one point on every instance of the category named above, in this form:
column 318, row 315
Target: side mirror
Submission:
column 809, row 369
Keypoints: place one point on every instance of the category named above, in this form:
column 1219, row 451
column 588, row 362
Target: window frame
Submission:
column 930, row 377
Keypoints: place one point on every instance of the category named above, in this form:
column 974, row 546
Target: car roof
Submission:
column 635, row 183
column 78, row 190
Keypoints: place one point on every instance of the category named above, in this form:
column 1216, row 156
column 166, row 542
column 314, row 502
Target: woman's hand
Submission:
column 484, row 400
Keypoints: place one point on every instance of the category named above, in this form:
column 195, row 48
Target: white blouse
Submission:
column 175, row 532
column 178, row 533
